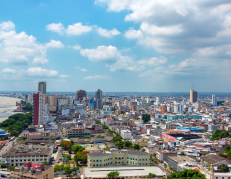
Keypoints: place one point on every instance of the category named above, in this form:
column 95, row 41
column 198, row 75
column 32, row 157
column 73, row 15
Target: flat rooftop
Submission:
column 130, row 171
column 182, row 159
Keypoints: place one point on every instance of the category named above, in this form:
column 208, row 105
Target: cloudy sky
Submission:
column 116, row 45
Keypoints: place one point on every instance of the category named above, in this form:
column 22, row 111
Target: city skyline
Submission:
column 115, row 46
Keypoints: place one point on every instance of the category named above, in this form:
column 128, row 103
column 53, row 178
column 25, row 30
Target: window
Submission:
column 222, row 177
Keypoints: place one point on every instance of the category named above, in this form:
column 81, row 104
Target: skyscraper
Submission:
column 214, row 100
column 38, row 108
column 42, row 87
column 81, row 94
column 92, row 104
column 193, row 96
column 98, row 96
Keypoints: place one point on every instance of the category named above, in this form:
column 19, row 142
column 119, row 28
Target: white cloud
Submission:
column 98, row 77
column 154, row 61
column 77, row 29
column 8, row 70
column 101, row 53
column 55, row 44
column 126, row 63
column 7, row 26
column 39, row 72
column 77, row 47
column 133, row 34
column 64, row 76
column 40, row 61
column 107, row 33
column 18, row 48
column 83, row 70
column 56, row 27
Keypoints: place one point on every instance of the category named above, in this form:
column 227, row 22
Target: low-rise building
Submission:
column 174, row 161
column 162, row 155
column 120, row 158
column 78, row 132
column 39, row 171
column 126, row 134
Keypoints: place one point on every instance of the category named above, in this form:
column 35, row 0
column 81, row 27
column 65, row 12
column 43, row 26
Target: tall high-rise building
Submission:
column 92, row 104
column 214, row 100
column 53, row 100
column 98, row 96
column 42, row 87
column 80, row 94
column 38, row 108
column 46, row 98
column 193, row 96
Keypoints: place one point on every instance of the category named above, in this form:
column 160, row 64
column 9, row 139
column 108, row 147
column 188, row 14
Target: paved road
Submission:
column 6, row 148
column 58, row 155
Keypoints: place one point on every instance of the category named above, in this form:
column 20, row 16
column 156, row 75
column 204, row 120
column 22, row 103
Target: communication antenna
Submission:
column 193, row 86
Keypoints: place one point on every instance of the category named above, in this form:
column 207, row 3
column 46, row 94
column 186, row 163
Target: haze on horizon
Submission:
column 116, row 45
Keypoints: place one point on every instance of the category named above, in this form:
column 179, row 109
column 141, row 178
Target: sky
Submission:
column 116, row 45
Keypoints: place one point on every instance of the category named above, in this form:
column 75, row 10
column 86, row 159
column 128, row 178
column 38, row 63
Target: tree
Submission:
column 66, row 144
column 22, row 138
column 78, row 158
column 182, row 153
column 75, row 169
column 67, row 156
column 227, row 148
column 143, row 150
column 127, row 144
column 3, row 165
column 136, row 146
column 151, row 175
column 194, row 174
column 45, row 163
column 146, row 117
column 222, row 168
column 68, row 170
column 78, row 148
column 113, row 174
column 98, row 136
column 117, row 138
column 165, row 165
column 119, row 144
column 106, row 148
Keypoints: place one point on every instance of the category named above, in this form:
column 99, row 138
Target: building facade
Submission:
column 214, row 100
column 42, row 87
column 80, row 94
column 193, row 96
column 78, row 132
column 99, row 99
column 119, row 158
column 38, row 108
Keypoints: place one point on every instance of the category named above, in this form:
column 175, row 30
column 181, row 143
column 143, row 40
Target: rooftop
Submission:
column 213, row 159
column 181, row 159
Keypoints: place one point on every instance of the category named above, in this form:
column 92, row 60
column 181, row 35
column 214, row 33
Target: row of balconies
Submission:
column 118, row 159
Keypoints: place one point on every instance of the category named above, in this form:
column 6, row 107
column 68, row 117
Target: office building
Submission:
column 98, row 98
column 163, row 109
column 119, row 158
column 80, row 95
column 29, row 98
column 38, row 108
column 193, row 96
column 162, row 155
column 53, row 100
column 35, row 171
column 92, row 104
column 214, row 100
column 42, row 87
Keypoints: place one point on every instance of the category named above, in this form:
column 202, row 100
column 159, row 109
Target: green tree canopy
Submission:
column 114, row 174
column 146, row 117
column 151, row 175
column 78, row 148
column 222, row 168
column 186, row 174
column 136, row 146
column 127, row 144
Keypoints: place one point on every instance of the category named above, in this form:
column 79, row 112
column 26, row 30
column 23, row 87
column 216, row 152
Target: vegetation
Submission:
column 222, row 168
column 109, row 131
column 80, row 156
column 11, row 168
column 99, row 136
column 182, row 153
column 151, row 175
column 3, row 165
column 58, row 168
column 226, row 153
column 136, row 146
column 16, row 123
column 22, row 138
column 27, row 106
column 66, row 144
column 106, row 148
column 67, row 156
column 78, row 148
column 113, row 174
column 45, row 163
column 219, row 134
column 194, row 174
column 146, row 118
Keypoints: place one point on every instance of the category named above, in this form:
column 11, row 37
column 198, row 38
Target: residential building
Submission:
column 215, row 160
column 53, row 100
column 115, row 157
column 126, row 134
column 42, row 87
column 193, row 96
column 29, row 98
column 98, row 98
column 80, row 95
column 143, row 142
column 174, row 161
column 39, row 171
column 78, row 132
column 38, row 108
column 163, row 109
column 162, row 155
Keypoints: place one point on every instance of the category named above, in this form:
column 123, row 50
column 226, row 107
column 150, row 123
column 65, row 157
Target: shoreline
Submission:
column 7, row 107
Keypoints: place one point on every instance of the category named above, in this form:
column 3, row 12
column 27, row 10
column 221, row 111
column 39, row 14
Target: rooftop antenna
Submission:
column 193, row 86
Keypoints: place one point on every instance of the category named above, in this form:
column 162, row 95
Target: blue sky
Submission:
column 116, row 45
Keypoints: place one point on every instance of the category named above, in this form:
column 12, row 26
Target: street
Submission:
column 6, row 148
